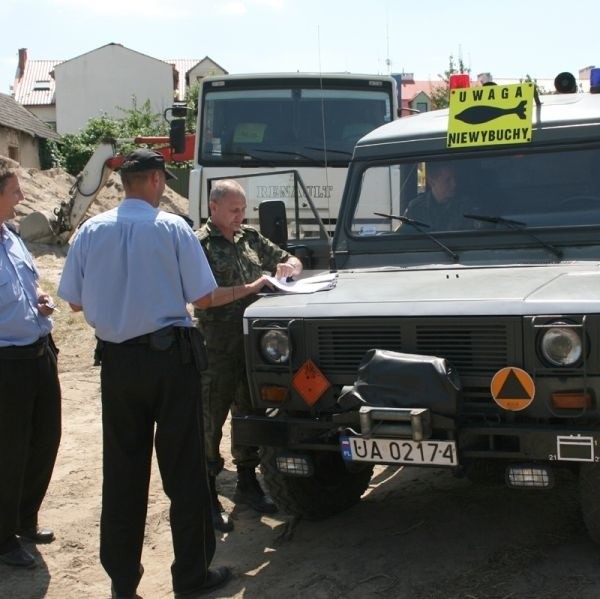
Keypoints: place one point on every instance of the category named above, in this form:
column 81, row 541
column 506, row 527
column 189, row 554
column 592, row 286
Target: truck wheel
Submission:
column 332, row 488
column 589, row 489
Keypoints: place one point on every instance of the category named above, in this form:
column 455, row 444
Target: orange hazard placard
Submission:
column 310, row 382
column 512, row 388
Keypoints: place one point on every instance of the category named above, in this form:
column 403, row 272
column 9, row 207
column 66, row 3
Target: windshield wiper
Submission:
column 419, row 227
column 344, row 152
column 515, row 225
column 287, row 153
column 247, row 154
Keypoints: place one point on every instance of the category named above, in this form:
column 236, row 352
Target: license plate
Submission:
column 399, row 451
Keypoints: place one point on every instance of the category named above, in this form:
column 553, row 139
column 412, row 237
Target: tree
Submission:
column 75, row 149
column 440, row 94
column 191, row 99
column 541, row 90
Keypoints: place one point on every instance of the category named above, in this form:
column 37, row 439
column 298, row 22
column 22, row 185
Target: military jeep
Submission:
column 474, row 346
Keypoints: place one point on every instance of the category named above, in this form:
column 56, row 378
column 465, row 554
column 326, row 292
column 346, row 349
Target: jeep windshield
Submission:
column 541, row 195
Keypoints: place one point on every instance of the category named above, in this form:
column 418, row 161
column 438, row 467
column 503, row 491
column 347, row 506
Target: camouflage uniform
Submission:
column 224, row 383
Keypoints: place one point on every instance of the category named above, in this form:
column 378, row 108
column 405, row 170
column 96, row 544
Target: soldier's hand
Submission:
column 284, row 270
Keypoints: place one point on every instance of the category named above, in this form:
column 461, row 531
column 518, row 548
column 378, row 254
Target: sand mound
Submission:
column 45, row 190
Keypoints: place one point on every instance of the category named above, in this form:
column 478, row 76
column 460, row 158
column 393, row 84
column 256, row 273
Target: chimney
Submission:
column 22, row 62
column 20, row 70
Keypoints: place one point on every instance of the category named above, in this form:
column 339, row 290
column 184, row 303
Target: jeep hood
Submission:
column 456, row 291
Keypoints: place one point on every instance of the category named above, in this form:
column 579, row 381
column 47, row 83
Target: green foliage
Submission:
column 440, row 95
column 541, row 90
column 191, row 99
column 76, row 149
column 50, row 154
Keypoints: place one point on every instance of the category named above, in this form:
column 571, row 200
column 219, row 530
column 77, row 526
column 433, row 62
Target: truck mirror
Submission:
column 177, row 135
column 273, row 221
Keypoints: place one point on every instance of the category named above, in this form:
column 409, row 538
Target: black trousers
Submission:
column 30, row 427
column 143, row 388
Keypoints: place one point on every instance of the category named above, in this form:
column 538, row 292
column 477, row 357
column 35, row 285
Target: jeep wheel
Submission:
column 589, row 489
column 332, row 488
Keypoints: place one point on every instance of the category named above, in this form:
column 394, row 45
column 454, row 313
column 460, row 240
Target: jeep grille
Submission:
column 477, row 347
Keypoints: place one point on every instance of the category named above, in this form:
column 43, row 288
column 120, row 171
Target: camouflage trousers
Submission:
column 224, row 387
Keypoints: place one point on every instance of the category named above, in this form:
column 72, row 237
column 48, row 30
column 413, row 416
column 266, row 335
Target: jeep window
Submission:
column 535, row 190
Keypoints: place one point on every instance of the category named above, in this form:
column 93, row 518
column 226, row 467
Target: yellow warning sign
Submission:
column 490, row 115
column 512, row 388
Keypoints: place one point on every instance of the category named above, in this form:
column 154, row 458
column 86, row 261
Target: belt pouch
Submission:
column 162, row 339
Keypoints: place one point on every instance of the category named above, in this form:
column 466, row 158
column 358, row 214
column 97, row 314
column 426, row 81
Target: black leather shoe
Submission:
column 115, row 595
column 19, row 558
column 221, row 520
column 249, row 491
column 216, row 578
column 37, row 535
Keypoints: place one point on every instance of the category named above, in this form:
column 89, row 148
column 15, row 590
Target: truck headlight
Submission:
column 561, row 345
column 275, row 346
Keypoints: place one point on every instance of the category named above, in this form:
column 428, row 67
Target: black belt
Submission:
column 189, row 340
column 25, row 352
column 162, row 339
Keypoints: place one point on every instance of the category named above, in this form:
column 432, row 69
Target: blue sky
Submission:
column 509, row 38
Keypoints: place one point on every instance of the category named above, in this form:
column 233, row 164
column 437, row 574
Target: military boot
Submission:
column 220, row 518
column 248, row 491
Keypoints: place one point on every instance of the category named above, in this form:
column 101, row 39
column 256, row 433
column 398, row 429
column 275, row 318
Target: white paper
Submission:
column 320, row 282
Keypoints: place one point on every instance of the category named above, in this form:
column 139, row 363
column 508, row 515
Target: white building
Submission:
column 66, row 94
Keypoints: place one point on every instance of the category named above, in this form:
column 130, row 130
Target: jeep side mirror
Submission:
column 273, row 221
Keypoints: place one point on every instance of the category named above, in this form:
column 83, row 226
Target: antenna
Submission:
column 323, row 120
column 388, row 62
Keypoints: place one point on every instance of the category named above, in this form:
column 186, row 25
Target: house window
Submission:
column 41, row 85
column 13, row 153
column 422, row 106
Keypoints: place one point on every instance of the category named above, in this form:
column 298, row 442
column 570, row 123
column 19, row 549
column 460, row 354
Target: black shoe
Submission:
column 249, row 491
column 37, row 535
column 220, row 518
column 115, row 595
column 19, row 558
column 215, row 579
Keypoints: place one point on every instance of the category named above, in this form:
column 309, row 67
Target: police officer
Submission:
column 30, row 410
column 132, row 270
column 238, row 255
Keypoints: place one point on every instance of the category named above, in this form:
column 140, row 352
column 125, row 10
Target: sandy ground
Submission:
column 417, row 533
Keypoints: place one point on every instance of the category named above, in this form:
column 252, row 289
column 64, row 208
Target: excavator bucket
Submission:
column 36, row 227
column 57, row 228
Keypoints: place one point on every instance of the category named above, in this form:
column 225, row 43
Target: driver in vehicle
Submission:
column 441, row 206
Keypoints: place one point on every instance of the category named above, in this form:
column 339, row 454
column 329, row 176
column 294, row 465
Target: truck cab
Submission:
column 469, row 341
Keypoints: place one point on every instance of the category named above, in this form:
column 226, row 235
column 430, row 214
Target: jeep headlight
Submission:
column 561, row 345
column 275, row 346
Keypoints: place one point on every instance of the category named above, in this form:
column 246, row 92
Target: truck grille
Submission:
column 477, row 347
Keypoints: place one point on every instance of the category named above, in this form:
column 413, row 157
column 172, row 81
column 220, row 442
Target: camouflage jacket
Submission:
column 243, row 261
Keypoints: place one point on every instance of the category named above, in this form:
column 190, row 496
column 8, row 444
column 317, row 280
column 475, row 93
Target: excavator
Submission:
column 57, row 228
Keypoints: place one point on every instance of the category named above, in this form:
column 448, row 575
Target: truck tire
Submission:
column 589, row 490
column 332, row 488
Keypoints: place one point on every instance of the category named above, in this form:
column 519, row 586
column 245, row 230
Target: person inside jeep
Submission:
column 441, row 206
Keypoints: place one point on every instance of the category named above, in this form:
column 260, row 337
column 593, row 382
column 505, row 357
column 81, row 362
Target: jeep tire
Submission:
column 589, row 489
column 331, row 489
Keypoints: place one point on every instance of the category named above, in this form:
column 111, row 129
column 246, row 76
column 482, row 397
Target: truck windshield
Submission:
column 535, row 190
column 289, row 125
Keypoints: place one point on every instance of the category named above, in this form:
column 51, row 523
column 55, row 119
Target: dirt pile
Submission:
column 45, row 190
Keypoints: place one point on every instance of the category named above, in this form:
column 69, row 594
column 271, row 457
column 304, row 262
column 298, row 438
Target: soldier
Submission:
column 238, row 255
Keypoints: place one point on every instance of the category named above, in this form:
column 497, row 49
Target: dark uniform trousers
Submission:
column 225, row 387
column 143, row 386
column 30, row 427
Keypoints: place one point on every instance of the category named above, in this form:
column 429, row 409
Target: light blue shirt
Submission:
column 134, row 269
column 20, row 321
